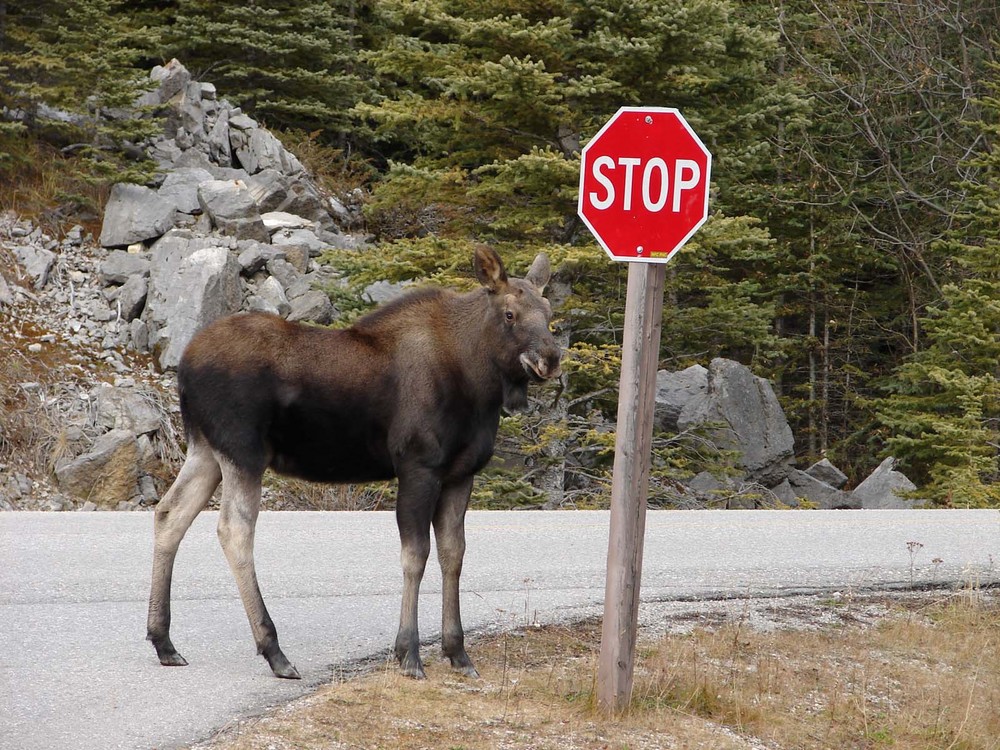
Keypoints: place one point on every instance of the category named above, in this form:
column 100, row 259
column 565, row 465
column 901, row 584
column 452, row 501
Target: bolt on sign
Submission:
column 643, row 193
column 644, row 184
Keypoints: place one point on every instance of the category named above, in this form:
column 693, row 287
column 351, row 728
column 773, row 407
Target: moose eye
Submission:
column 509, row 315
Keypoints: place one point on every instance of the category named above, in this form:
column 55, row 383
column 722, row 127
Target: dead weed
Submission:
column 924, row 674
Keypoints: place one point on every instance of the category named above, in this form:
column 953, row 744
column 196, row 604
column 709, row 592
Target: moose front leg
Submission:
column 416, row 500
column 449, row 531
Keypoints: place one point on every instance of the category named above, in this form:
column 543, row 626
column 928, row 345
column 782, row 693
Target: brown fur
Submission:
column 413, row 390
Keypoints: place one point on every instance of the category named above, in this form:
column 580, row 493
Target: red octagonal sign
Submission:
column 644, row 184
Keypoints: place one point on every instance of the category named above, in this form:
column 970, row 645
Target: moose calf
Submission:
column 412, row 390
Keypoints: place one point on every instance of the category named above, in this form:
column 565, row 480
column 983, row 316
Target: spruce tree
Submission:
column 291, row 64
column 943, row 414
column 68, row 73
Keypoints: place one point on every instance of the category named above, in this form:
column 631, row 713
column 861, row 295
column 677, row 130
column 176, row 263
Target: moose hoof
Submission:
column 173, row 660
column 287, row 672
column 467, row 671
column 463, row 665
column 412, row 667
column 282, row 667
column 166, row 652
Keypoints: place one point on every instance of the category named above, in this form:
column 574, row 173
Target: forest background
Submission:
column 851, row 254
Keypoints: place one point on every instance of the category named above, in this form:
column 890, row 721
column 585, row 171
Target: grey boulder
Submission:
column 37, row 262
column 107, row 474
column 883, row 487
column 744, row 414
column 181, row 187
column 135, row 213
column 192, row 282
column 232, row 209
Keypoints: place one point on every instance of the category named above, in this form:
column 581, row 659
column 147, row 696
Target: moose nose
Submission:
column 551, row 363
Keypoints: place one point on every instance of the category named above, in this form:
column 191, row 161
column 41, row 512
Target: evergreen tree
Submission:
column 68, row 72
column 943, row 414
column 481, row 114
column 292, row 64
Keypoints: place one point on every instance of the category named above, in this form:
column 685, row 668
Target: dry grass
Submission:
column 38, row 182
column 924, row 673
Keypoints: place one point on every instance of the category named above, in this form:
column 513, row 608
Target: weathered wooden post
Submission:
column 643, row 192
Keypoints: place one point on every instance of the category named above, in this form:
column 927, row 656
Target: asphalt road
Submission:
column 75, row 671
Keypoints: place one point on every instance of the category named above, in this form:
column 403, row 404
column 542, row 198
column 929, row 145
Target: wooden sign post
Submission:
column 643, row 192
column 629, row 487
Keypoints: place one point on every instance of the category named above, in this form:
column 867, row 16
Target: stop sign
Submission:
column 644, row 184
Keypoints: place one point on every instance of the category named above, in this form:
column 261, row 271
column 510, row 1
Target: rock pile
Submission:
column 741, row 413
column 233, row 224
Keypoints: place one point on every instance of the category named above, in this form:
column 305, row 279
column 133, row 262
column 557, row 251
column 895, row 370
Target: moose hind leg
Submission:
column 237, row 521
column 449, row 531
column 186, row 498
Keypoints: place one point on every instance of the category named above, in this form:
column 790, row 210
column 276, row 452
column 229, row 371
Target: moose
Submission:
column 412, row 390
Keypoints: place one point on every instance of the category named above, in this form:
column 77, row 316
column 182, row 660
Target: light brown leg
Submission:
column 237, row 521
column 186, row 498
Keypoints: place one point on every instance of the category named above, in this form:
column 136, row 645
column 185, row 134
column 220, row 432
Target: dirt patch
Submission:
column 912, row 670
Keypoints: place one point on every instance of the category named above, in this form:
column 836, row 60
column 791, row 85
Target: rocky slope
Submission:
column 92, row 329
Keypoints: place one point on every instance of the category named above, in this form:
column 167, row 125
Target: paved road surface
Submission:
column 75, row 671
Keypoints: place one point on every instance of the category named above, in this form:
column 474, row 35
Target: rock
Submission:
column 385, row 291
column 172, row 78
column 251, row 256
column 304, row 200
column 132, row 297
column 37, row 262
column 297, row 256
column 181, row 187
column 259, row 304
column 271, row 292
column 314, row 306
column 275, row 220
column 120, row 266
column 784, row 493
column 6, row 295
column 752, row 420
column 283, row 271
column 232, row 209
column 192, row 282
column 165, row 152
column 823, row 495
column 298, row 237
column 256, row 148
column 706, row 484
column 880, row 491
column 269, row 188
column 673, row 391
column 107, row 474
column 192, row 113
column 138, row 335
column 825, row 471
column 219, row 148
column 126, row 409
column 133, row 214
column 147, row 488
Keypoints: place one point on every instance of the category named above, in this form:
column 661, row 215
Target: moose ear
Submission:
column 489, row 268
column 540, row 271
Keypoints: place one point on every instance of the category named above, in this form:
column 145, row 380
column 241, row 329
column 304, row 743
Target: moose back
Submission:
column 412, row 390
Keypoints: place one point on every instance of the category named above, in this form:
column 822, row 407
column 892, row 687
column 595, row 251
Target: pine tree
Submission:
column 291, row 64
column 68, row 72
column 943, row 414
column 481, row 114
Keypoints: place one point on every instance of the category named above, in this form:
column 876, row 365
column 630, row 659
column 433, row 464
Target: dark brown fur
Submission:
column 413, row 391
